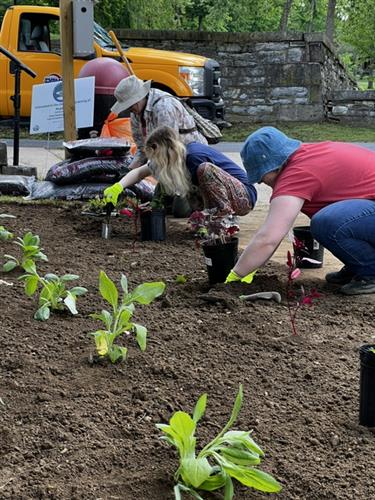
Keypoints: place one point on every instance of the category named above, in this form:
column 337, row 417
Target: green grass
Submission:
column 7, row 133
column 18, row 200
column 306, row 132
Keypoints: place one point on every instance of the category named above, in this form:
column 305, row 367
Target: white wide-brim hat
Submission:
column 128, row 92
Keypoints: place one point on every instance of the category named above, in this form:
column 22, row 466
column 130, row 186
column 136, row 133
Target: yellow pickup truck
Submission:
column 32, row 34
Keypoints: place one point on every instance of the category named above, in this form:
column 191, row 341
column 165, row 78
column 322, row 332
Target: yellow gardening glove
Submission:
column 233, row 276
column 112, row 193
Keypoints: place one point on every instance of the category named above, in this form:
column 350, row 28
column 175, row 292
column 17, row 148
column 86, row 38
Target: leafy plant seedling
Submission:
column 31, row 252
column 181, row 278
column 119, row 320
column 95, row 206
column 230, row 455
column 5, row 235
column 300, row 299
column 54, row 296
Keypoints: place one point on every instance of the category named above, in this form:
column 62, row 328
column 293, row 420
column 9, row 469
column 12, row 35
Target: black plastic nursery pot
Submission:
column 220, row 259
column 153, row 227
column 312, row 248
column 367, row 386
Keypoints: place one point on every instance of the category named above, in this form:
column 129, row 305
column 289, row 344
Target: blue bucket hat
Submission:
column 266, row 150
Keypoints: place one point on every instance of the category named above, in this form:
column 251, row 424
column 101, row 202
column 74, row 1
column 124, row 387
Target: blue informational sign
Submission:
column 47, row 111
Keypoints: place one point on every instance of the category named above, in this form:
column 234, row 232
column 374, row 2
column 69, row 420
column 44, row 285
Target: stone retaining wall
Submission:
column 351, row 107
column 265, row 77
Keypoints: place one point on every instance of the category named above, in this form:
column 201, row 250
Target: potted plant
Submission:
column 152, row 216
column 309, row 252
column 367, row 382
column 215, row 235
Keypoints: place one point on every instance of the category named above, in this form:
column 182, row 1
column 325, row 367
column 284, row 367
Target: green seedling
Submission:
column 372, row 349
column 158, row 201
column 119, row 320
column 54, row 296
column 230, row 455
column 181, row 279
column 5, row 235
column 31, row 252
column 95, row 205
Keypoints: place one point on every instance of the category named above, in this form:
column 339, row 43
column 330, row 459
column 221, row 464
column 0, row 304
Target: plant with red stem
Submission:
column 301, row 298
column 132, row 209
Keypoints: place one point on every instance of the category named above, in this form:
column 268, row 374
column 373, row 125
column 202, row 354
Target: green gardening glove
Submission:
column 233, row 276
column 112, row 193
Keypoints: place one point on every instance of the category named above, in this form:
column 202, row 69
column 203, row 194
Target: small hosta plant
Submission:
column 118, row 321
column 54, row 295
column 230, row 455
column 5, row 235
column 31, row 252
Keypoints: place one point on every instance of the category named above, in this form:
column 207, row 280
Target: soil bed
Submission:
column 71, row 430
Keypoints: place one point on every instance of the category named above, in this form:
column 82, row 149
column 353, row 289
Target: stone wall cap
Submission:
column 129, row 34
column 351, row 95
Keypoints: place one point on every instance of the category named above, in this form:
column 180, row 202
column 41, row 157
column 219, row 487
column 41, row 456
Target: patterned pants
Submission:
column 222, row 191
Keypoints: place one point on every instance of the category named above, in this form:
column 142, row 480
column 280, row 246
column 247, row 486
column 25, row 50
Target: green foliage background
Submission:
column 354, row 19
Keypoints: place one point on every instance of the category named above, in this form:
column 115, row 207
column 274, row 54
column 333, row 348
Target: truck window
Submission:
column 102, row 38
column 39, row 33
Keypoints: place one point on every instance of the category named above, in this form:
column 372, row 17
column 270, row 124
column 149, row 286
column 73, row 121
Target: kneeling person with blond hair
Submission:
column 221, row 183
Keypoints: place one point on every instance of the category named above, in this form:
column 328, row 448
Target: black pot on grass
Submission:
column 367, row 385
column 153, row 227
column 220, row 258
column 312, row 249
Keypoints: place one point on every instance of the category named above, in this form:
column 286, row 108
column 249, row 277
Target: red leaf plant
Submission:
column 211, row 229
column 300, row 298
column 132, row 209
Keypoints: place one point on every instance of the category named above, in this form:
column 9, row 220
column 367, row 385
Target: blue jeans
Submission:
column 347, row 229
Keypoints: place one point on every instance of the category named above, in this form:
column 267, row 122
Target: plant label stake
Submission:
column 106, row 225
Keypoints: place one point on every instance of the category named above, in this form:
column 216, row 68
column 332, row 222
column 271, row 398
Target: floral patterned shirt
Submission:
column 163, row 110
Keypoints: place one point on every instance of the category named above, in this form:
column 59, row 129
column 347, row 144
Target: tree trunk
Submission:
column 313, row 7
column 200, row 23
column 285, row 17
column 330, row 21
column 370, row 84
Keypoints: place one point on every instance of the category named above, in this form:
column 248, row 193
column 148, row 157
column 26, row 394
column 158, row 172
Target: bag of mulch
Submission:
column 102, row 169
column 144, row 190
column 16, row 185
column 46, row 190
column 98, row 146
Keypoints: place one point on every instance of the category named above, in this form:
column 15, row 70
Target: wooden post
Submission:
column 66, row 40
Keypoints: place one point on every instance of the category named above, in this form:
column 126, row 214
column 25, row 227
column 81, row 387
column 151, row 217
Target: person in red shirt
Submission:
column 333, row 183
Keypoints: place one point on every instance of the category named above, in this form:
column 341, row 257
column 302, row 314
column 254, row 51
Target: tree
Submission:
column 330, row 22
column 359, row 33
column 285, row 16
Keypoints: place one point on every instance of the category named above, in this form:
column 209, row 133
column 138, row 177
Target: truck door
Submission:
column 39, row 48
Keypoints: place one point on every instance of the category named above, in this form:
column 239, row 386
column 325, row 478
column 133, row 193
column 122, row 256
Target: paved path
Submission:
column 225, row 147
